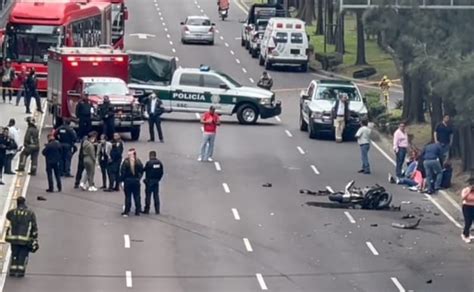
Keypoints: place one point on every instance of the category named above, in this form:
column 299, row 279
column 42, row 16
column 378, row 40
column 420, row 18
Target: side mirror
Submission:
column 364, row 100
column 73, row 93
column 182, row 23
column 223, row 86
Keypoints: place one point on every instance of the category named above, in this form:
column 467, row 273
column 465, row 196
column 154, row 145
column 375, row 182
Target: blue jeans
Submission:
column 434, row 174
column 364, row 154
column 445, row 153
column 402, row 152
column 407, row 181
column 207, row 146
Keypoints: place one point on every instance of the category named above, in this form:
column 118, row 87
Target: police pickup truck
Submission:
column 195, row 90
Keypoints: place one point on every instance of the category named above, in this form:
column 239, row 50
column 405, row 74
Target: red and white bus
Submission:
column 34, row 26
column 119, row 16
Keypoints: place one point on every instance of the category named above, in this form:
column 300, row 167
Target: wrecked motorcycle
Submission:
column 371, row 197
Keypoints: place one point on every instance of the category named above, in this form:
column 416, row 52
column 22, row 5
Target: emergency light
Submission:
column 279, row 25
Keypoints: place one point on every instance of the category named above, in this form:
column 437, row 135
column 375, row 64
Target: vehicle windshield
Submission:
column 30, row 43
column 262, row 25
column 198, row 22
column 332, row 92
column 228, row 78
column 106, row 88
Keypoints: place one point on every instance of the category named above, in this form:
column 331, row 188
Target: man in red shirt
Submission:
column 210, row 120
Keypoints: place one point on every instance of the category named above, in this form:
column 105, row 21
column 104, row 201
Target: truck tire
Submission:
column 135, row 133
column 303, row 124
column 304, row 67
column 254, row 53
column 261, row 61
column 268, row 65
column 312, row 134
column 247, row 45
column 247, row 114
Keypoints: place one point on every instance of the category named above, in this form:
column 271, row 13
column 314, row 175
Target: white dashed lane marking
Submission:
column 128, row 279
column 126, row 240
column 349, row 217
column 232, row 52
column 226, row 44
column 236, row 214
column 288, row 133
column 247, row 244
column 171, row 42
column 277, row 117
column 316, row 171
column 222, row 38
column 251, row 80
column 398, row 284
column 237, row 60
column 218, row 166
column 168, row 36
column 300, row 150
column 244, row 70
column 226, row 187
column 261, row 281
column 173, row 50
column 372, row 248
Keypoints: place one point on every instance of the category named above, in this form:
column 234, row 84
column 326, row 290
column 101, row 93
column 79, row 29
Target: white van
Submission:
column 284, row 43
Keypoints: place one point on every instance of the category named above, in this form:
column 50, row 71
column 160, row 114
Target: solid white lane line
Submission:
column 372, row 248
column 288, row 133
column 451, row 218
column 237, row 60
column 173, row 50
column 226, row 187
column 300, row 150
column 128, row 279
column 261, row 282
column 218, row 166
column 314, row 169
column 232, row 52
column 398, row 284
column 349, row 216
column 226, row 44
column 126, row 240
column 329, row 189
column 383, row 153
column 277, row 117
column 236, row 214
column 248, row 247
column 245, row 70
column 251, row 80
column 198, row 116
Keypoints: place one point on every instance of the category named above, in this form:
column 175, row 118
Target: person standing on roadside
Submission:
column 22, row 235
column 363, row 139
column 467, row 196
column 103, row 158
column 90, row 157
column 53, row 154
column 6, row 143
column 66, row 135
column 31, row 87
column 107, row 114
column 153, row 174
column 113, row 168
column 340, row 116
column 154, row 110
column 211, row 121
column 8, row 75
column 84, row 114
column 14, row 133
column 400, row 147
column 30, row 147
column 434, row 172
column 131, row 172
column 444, row 135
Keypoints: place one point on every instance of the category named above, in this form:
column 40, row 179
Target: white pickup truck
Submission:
column 195, row 90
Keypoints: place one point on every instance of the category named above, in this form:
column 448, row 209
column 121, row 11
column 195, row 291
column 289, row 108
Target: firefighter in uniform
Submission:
column 22, row 235
column 131, row 172
column 153, row 174
column 385, row 85
column 66, row 135
column 30, row 147
column 53, row 154
column 107, row 114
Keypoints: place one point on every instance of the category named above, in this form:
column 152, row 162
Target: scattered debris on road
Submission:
column 374, row 225
column 41, row 198
column 405, row 202
column 267, row 185
column 407, row 226
column 408, row 216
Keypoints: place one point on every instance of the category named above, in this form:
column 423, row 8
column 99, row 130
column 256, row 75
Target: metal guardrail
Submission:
column 408, row 4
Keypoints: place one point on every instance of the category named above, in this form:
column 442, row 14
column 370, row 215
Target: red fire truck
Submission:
column 93, row 72
column 36, row 25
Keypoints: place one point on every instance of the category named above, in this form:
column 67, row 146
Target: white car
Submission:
column 197, row 29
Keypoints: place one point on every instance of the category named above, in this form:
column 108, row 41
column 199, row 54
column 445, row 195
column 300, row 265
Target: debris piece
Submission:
column 374, row 225
column 407, row 226
column 429, row 281
column 396, row 208
column 41, row 198
column 406, row 202
column 307, row 192
column 408, row 216
column 436, row 213
column 327, row 224
column 267, row 185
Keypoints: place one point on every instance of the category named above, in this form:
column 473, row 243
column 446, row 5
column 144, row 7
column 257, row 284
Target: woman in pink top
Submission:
column 468, row 210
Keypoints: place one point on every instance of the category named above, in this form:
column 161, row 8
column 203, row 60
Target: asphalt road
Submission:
column 221, row 230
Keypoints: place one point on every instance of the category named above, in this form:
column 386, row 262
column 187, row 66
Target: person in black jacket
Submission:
column 66, row 135
column 153, row 174
column 22, row 235
column 31, row 87
column 113, row 169
column 154, row 110
column 131, row 172
column 107, row 114
column 6, row 143
column 53, row 154
column 84, row 114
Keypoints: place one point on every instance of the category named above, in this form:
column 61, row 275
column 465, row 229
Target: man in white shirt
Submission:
column 154, row 110
column 14, row 133
column 340, row 115
column 363, row 139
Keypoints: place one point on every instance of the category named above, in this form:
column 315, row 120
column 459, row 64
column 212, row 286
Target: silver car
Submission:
column 197, row 29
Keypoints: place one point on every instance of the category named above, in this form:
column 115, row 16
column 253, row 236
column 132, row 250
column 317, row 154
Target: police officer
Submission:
column 153, row 174
column 53, row 154
column 30, row 147
column 22, row 235
column 66, row 135
column 113, row 169
column 265, row 82
column 107, row 114
column 131, row 172
column 84, row 114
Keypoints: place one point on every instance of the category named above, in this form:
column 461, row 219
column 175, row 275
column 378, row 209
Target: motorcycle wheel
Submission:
column 383, row 201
